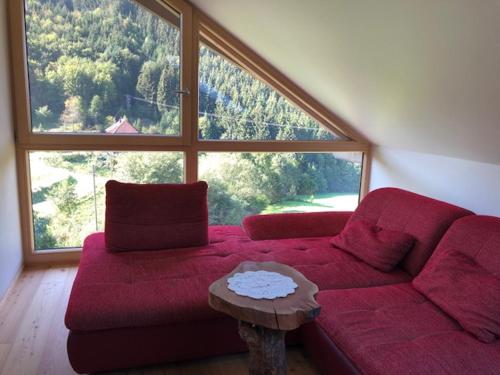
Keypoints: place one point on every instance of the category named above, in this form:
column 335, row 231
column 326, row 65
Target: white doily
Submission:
column 261, row 284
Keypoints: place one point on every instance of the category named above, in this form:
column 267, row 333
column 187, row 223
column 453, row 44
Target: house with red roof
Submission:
column 122, row 126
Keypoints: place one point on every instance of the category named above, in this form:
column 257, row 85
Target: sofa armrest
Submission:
column 295, row 225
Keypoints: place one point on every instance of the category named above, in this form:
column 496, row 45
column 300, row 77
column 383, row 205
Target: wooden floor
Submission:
column 33, row 335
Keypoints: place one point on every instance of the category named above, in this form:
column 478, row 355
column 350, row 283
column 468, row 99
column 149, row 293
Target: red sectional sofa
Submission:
column 130, row 309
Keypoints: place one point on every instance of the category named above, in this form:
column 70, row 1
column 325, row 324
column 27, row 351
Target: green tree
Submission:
column 64, row 196
column 81, row 76
column 147, row 82
column 43, row 238
column 169, row 123
column 150, row 167
column 42, row 117
column 209, row 129
column 167, row 87
column 66, row 224
column 225, row 208
column 72, row 116
column 96, row 111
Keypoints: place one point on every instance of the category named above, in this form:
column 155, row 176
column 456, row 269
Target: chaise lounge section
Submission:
column 395, row 329
column 136, row 308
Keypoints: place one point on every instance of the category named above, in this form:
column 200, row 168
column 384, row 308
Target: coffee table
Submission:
column 263, row 323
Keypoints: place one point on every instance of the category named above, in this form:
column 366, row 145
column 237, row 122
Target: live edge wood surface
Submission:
column 284, row 314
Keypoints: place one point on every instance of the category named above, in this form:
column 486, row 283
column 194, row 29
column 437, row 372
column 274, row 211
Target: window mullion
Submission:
column 191, row 127
column 188, row 91
column 191, row 165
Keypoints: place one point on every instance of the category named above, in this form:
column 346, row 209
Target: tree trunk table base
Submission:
column 264, row 322
column 266, row 347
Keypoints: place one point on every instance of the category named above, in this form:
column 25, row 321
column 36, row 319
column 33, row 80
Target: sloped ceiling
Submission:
column 418, row 75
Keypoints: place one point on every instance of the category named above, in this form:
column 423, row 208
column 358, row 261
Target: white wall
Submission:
column 10, row 237
column 380, row 64
column 469, row 184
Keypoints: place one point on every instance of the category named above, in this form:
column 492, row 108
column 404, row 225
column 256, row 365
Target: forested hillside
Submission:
column 90, row 59
column 94, row 62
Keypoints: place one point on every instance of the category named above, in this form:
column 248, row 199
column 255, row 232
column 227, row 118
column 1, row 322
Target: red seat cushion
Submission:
column 423, row 218
column 380, row 248
column 465, row 291
column 155, row 216
column 393, row 330
column 138, row 288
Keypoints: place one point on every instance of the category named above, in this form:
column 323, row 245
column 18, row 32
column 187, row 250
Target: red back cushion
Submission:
column 155, row 216
column 295, row 225
column 476, row 236
column 464, row 290
column 380, row 248
column 423, row 218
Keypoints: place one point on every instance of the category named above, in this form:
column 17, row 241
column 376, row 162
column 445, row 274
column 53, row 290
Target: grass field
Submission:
column 316, row 203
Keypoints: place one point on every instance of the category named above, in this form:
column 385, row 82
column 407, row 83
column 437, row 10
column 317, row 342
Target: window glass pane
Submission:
column 67, row 189
column 249, row 183
column 107, row 66
column 233, row 105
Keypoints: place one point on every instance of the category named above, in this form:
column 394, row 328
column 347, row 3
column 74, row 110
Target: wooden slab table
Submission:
column 262, row 322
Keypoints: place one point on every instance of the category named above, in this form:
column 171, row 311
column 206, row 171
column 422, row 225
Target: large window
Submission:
column 250, row 183
column 154, row 91
column 107, row 66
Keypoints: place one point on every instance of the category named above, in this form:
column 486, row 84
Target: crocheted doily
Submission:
column 261, row 284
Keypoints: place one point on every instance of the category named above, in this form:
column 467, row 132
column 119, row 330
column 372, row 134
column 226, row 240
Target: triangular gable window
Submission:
column 236, row 106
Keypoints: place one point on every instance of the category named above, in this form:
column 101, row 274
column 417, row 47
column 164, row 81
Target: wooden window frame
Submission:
column 196, row 27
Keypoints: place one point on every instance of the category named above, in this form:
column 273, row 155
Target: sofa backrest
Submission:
column 424, row 218
column 477, row 237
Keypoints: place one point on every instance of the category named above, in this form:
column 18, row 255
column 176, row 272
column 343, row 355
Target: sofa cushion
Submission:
column 155, row 216
column 137, row 288
column 465, row 291
column 394, row 329
column 477, row 237
column 380, row 248
column 423, row 218
column 463, row 275
column 295, row 225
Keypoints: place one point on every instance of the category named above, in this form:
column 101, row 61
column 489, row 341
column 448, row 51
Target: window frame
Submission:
column 196, row 27
column 24, row 132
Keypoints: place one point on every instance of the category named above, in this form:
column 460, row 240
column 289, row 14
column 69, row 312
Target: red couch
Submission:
column 137, row 308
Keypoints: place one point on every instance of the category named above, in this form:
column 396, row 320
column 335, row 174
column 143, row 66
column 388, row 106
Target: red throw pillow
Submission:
column 380, row 248
column 465, row 291
column 155, row 216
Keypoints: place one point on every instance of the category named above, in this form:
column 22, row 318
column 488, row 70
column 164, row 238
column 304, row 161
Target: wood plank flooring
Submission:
column 33, row 335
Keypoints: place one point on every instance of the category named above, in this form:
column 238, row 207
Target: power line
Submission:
column 211, row 114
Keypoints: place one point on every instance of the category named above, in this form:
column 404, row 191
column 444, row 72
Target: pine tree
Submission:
column 95, row 110
column 147, row 81
column 147, row 86
column 167, row 87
